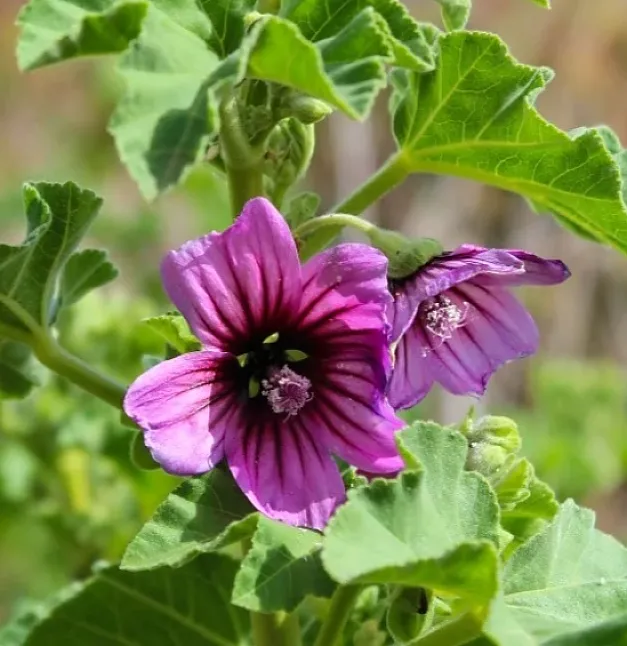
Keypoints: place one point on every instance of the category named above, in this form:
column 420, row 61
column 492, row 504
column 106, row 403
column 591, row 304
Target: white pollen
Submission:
column 441, row 316
column 286, row 391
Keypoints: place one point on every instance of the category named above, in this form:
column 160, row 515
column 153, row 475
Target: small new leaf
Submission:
column 173, row 329
column 463, row 119
column 282, row 567
column 187, row 605
column 56, row 30
column 433, row 528
column 301, row 207
column 455, row 13
column 202, row 514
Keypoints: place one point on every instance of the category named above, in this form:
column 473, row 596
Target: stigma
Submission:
column 286, row 391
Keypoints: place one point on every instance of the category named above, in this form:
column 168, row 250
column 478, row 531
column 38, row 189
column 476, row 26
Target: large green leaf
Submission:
column 166, row 116
column 410, row 43
column 58, row 216
column 566, row 582
column 347, row 71
column 187, row 605
column 474, row 117
column 201, row 515
column 282, row 567
column 433, row 528
column 55, row 30
column 229, row 25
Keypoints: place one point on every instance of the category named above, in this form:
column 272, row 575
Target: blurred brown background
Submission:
column 571, row 400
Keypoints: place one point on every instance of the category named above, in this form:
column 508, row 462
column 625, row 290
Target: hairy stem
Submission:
column 242, row 162
column 459, row 631
column 59, row 360
column 342, row 603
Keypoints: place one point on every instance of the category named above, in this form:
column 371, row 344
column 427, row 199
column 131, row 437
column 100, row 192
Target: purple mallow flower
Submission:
column 456, row 322
column 294, row 367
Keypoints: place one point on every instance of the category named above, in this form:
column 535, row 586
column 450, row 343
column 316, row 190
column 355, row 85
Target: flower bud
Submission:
column 304, row 108
column 493, row 442
column 405, row 255
column 288, row 155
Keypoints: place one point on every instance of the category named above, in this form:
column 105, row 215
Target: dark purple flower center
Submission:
column 286, row 391
column 441, row 316
column 268, row 372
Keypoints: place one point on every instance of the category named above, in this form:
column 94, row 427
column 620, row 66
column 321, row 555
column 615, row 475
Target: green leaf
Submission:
column 455, row 13
column 229, row 26
column 569, row 578
column 85, row 270
column 187, row 605
column 173, row 328
column 58, row 216
column 411, row 43
column 463, row 119
column 18, row 375
column 301, row 207
column 376, row 536
column 167, row 115
column 202, row 514
column 282, row 567
column 55, row 30
column 612, row 632
column 347, row 71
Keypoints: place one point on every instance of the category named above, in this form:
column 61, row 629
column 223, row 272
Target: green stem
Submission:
column 333, row 222
column 461, row 630
column 243, row 163
column 244, row 184
column 59, row 360
column 391, row 174
column 342, row 603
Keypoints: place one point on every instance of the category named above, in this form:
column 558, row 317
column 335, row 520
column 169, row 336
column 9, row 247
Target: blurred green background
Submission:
column 69, row 494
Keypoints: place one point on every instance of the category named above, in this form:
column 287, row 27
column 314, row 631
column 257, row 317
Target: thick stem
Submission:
column 244, row 184
column 53, row 356
column 242, row 162
column 342, row 603
column 457, row 632
column 332, row 222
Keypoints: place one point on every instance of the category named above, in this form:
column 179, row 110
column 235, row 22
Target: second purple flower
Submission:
column 455, row 321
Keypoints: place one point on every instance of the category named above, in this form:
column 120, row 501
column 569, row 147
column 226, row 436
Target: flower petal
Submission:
column 442, row 273
column 537, row 271
column 233, row 285
column 344, row 288
column 498, row 329
column 284, row 471
column 184, row 405
column 412, row 377
column 352, row 417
